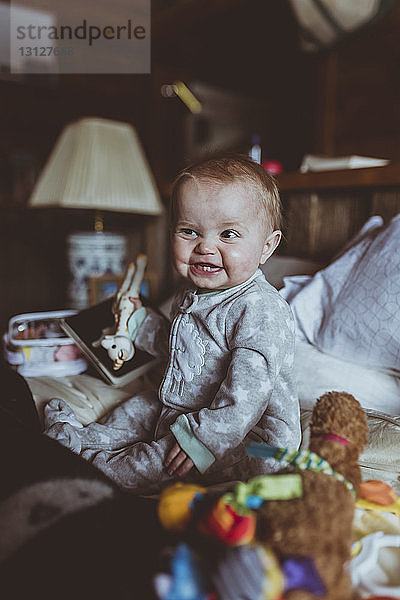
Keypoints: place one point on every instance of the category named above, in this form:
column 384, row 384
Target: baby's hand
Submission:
column 178, row 462
column 137, row 303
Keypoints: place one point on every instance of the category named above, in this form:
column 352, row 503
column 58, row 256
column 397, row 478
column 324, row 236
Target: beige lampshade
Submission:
column 98, row 164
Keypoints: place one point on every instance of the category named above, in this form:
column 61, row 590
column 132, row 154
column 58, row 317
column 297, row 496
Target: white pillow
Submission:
column 351, row 309
column 317, row 373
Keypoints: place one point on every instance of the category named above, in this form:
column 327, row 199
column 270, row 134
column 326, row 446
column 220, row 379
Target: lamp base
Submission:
column 92, row 253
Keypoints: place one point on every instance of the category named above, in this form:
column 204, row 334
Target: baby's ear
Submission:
column 270, row 245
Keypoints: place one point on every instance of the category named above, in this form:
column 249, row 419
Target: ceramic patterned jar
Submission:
column 91, row 253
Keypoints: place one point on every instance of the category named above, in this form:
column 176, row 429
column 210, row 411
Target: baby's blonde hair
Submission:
column 227, row 169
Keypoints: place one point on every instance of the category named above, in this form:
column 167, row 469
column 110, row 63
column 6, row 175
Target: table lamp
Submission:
column 96, row 164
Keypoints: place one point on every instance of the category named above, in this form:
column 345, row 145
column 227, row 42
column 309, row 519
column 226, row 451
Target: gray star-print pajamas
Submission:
column 228, row 381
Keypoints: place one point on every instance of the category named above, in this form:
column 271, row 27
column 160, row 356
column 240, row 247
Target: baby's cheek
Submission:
column 236, row 254
column 241, row 260
column 181, row 268
column 237, row 258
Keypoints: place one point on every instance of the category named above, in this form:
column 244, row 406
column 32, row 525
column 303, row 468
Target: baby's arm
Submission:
column 152, row 335
column 148, row 329
column 261, row 340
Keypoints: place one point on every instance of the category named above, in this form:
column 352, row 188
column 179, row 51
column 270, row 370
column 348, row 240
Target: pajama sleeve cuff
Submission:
column 196, row 450
column 135, row 321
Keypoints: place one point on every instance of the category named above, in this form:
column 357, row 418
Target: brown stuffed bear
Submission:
column 319, row 524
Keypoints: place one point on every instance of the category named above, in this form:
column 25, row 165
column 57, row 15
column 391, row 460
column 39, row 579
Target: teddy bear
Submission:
column 287, row 535
column 319, row 524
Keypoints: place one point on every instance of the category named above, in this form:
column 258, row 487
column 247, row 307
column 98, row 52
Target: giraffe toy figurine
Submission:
column 118, row 344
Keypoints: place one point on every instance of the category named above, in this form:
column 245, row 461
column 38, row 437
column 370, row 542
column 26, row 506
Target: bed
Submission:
column 348, row 339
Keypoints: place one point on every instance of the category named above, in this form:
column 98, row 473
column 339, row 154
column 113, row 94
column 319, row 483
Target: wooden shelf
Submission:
column 349, row 178
column 325, row 210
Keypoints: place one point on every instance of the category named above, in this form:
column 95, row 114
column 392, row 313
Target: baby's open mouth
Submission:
column 205, row 268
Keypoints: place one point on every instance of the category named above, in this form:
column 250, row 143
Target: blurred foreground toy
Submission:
column 286, row 535
column 254, row 572
column 186, row 579
column 378, row 492
column 176, row 505
column 251, row 572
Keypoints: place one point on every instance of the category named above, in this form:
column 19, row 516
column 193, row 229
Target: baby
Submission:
column 230, row 346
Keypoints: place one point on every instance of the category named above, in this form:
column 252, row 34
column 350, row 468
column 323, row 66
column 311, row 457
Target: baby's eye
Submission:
column 229, row 234
column 187, row 232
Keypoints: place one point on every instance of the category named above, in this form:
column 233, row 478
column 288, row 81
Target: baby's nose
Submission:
column 205, row 246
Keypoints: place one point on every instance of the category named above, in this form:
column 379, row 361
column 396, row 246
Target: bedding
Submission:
column 348, row 338
column 351, row 308
column 88, row 396
column 316, row 372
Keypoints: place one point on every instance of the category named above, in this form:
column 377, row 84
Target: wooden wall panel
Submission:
column 320, row 223
column 325, row 210
column 385, row 203
column 359, row 95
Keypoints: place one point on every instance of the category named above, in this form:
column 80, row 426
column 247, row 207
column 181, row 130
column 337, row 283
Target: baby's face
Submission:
column 219, row 237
